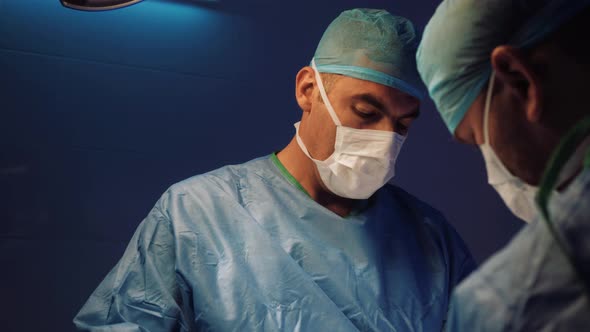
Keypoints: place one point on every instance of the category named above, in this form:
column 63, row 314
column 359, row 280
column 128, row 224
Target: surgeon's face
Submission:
column 359, row 104
column 510, row 135
column 517, row 133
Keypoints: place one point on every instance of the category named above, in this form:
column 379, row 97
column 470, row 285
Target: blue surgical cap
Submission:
column 372, row 45
column 454, row 55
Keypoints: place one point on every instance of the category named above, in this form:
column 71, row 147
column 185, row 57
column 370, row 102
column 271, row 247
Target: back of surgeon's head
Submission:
column 540, row 61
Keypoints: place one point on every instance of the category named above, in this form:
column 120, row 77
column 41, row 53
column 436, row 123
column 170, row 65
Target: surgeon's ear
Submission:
column 515, row 74
column 304, row 86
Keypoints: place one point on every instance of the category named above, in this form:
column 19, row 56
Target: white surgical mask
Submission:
column 363, row 160
column 518, row 195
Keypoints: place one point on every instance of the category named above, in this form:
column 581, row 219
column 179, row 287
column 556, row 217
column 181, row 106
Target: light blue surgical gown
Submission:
column 242, row 248
column 530, row 285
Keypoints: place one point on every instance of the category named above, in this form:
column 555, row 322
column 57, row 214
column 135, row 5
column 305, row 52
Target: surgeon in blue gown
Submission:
column 311, row 238
column 513, row 80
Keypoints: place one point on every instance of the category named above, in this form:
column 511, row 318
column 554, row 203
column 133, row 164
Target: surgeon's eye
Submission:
column 364, row 112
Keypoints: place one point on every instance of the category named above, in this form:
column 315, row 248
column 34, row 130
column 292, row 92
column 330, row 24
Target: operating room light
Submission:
column 97, row 4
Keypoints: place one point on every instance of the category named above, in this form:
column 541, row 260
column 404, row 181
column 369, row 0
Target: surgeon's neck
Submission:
column 306, row 173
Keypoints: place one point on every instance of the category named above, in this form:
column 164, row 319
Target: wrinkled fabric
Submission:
column 530, row 285
column 372, row 45
column 453, row 58
column 243, row 249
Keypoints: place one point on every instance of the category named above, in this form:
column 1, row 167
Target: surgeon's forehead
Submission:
column 355, row 87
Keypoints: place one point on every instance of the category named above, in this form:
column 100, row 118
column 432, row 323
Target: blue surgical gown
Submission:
column 530, row 285
column 242, row 248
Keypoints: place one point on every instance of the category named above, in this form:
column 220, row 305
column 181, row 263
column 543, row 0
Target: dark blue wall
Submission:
column 101, row 112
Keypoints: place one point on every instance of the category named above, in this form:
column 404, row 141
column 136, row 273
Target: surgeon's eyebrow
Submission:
column 459, row 139
column 376, row 102
column 414, row 114
column 469, row 138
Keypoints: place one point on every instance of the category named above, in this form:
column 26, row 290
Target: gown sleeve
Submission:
column 143, row 292
column 461, row 266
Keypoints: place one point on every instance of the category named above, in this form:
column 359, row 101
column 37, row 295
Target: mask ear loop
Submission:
column 486, row 131
column 486, row 112
column 318, row 79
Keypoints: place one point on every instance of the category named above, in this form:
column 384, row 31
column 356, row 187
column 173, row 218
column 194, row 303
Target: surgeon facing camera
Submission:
column 511, row 77
column 312, row 238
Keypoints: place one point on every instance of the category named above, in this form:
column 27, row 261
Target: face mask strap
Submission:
column 323, row 94
column 486, row 112
column 300, row 141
